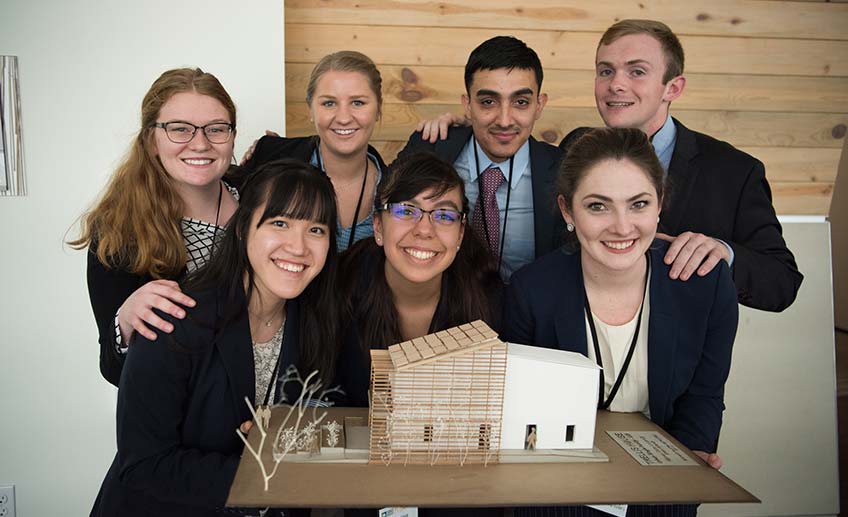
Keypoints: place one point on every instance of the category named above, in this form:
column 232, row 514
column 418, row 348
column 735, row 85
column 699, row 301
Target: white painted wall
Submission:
column 779, row 436
column 84, row 67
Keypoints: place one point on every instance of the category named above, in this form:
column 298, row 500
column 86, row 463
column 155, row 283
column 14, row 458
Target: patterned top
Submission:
column 265, row 357
column 198, row 237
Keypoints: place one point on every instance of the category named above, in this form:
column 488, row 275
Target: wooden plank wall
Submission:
column 768, row 76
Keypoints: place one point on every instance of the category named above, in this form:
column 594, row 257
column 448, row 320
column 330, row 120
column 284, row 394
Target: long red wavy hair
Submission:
column 136, row 223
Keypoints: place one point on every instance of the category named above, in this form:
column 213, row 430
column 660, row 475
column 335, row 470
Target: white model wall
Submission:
column 84, row 67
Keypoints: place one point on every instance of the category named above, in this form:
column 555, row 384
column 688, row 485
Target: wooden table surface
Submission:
column 621, row 480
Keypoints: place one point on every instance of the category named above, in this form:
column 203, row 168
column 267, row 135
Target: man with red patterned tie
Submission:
column 508, row 174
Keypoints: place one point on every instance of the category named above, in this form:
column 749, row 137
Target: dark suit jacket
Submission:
column 181, row 398
column 691, row 329
column 544, row 164
column 715, row 189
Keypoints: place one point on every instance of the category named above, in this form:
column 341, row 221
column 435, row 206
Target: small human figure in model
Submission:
column 530, row 442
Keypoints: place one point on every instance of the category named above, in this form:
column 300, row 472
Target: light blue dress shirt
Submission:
column 365, row 227
column 519, row 241
column 664, row 141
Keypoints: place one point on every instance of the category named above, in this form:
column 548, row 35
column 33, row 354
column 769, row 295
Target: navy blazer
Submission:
column 718, row 190
column 180, row 400
column 691, row 329
column 549, row 227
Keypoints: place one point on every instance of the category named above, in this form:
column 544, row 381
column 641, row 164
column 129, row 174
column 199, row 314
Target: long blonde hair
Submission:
column 136, row 223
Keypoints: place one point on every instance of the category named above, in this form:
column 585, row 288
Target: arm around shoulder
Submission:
column 416, row 143
column 764, row 270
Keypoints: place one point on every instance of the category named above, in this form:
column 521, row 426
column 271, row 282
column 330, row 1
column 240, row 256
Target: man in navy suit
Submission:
column 718, row 202
column 516, row 214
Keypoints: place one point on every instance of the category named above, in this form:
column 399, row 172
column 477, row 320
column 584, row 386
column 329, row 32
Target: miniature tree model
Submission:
column 290, row 436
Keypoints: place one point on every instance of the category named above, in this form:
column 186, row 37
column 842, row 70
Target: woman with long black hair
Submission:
column 265, row 302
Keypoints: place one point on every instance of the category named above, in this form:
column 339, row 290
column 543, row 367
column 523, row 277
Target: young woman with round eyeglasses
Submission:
column 421, row 272
column 161, row 213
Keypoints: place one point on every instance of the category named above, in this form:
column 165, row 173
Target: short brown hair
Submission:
column 608, row 143
column 347, row 61
column 668, row 41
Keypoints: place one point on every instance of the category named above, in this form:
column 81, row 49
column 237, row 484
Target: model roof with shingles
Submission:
column 445, row 343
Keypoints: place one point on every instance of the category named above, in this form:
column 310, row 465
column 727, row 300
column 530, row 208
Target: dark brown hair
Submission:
column 608, row 143
column 671, row 47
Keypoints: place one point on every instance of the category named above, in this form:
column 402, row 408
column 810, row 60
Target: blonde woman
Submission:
column 345, row 103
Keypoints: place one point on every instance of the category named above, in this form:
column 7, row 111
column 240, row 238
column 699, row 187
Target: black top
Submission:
column 270, row 148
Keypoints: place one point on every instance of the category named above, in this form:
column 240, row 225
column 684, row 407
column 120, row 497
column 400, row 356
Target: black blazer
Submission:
column 270, row 148
column 549, row 227
column 715, row 189
column 181, row 398
column 691, row 329
column 108, row 288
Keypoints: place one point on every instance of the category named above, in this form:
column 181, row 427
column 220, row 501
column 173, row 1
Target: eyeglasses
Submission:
column 411, row 213
column 183, row 132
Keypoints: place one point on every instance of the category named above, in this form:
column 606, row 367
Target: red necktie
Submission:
column 487, row 203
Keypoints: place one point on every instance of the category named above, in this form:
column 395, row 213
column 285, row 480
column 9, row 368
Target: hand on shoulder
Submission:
column 137, row 315
column 690, row 252
column 437, row 128
column 249, row 153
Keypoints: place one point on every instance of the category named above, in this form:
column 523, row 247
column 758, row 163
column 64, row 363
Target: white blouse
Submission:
column 614, row 342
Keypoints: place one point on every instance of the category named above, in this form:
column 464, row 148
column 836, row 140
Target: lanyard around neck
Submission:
column 361, row 193
column 602, row 404
column 483, row 206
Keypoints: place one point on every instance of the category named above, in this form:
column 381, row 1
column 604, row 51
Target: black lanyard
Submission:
column 361, row 194
column 483, row 207
column 601, row 403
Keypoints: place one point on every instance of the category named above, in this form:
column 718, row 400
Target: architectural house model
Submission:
column 462, row 396
column 459, row 396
